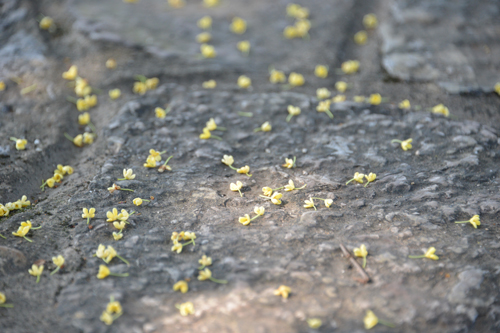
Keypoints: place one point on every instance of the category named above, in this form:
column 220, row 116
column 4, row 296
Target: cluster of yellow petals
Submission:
column 9, row 206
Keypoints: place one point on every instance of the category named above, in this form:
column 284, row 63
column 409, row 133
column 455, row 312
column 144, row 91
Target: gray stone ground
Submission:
column 427, row 51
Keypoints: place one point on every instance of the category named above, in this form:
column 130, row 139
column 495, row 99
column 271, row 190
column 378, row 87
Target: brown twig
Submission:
column 365, row 278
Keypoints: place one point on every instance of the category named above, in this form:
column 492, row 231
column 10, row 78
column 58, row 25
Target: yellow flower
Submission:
column 244, row 170
column 109, row 254
column 497, row 88
column 152, row 83
column 361, row 37
column 112, row 216
column 297, row 11
column 405, row 105
column 206, row 134
column 182, row 286
column 117, row 235
column 119, row 225
column 46, row 23
column 350, row 66
column 140, row 88
column 267, row 191
column 322, row 93
column 244, row 81
column 290, row 32
column 189, row 235
column 57, row 177
column 238, row 26
column 211, row 125
column 430, row 253
column 265, row 127
column 290, row 186
column 4, row 211
column 128, row 174
column 207, row 51
column 176, row 3
column 236, row 187
column 24, row 201
column 84, row 118
column 243, row 46
column 186, row 309
column 370, row 178
column 111, row 63
column 283, row 291
column 210, row 3
column 106, row 318
column 309, row 203
column 21, row 144
column 228, row 160
column 22, row 231
column 137, row 201
column 295, row 79
column 36, row 271
column 50, row 182
column 328, row 202
column 338, row 99
column 203, row 37
column 370, row 21
column 99, row 253
column 276, row 76
column 321, row 71
column 156, row 154
column 2, row 86
column 58, row 261
column 78, row 140
column 245, row 220
column 259, row 210
column 370, row 320
column 406, row 144
column 115, row 93
column 375, row 99
column 205, row 261
column 361, row 251
column 88, row 138
column 205, row 274
column 357, row 177
column 210, row 84
column 91, row 100
column 81, row 104
column 275, row 198
column 314, row 322
column 103, row 272
column 160, row 113
column 441, row 109
column 359, row 99
column 289, row 163
column 205, row 22
column 341, row 86
column 150, row 162
column 302, row 27
column 324, row 106
column 123, row 216
column 2, row 298
column 88, row 214
column 475, row 221
column 114, row 307
column 177, row 247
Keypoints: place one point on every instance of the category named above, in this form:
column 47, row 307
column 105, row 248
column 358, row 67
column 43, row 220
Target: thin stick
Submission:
column 361, row 271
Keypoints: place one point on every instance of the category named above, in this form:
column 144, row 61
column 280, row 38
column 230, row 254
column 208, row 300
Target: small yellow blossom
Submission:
column 430, row 254
column 119, row 225
column 338, row 99
column 341, row 86
column 156, row 154
column 405, row 105
column 370, row 21
column 59, row 262
column 297, row 11
column 4, row 211
column 203, row 37
column 289, row 163
column 205, row 274
column 177, row 247
column 309, row 203
column 50, row 182
column 206, row 134
column 114, row 307
column 244, row 82
column 71, row 74
column 292, row 111
column 186, row 309
column 84, row 118
column 357, row 177
column 205, row 22
column 160, row 113
column 314, row 322
column 275, row 198
column 328, row 202
column 370, row 178
column 267, row 191
column 46, row 23
column 210, row 84
column 124, row 215
column 103, row 272
column 117, row 235
column 244, row 170
column 350, row 66
column 475, row 221
column 321, row 71
column 24, row 201
column 238, row 26
column 128, row 174
column 81, row 104
column 244, row 47
column 57, row 177
column 259, row 210
column 20, row 143
column 245, row 220
column 115, row 93
column 361, row 252
column 112, row 215
column 91, row 100
column 302, row 27
column 36, row 271
column 137, row 201
column 140, row 88
column 370, row 320
column 207, row 51
column 441, row 109
column 106, row 317
column 283, row 291
column 150, row 162
column 322, row 93
column 88, row 214
column 276, row 76
column 111, row 63
column 236, row 187
column 2, row 86
column 78, row 140
column 228, row 160
column 361, row 37
column 88, row 138
column 182, row 286
column 359, row 99
column 324, row 106
column 375, row 99
column 21, row 232
column 290, row 32
column 176, row 3
column 265, row 127
column 152, row 83
column 296, row 79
